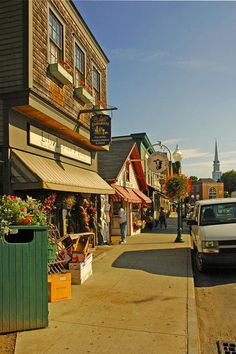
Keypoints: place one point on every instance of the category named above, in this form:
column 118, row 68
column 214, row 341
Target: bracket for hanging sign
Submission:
column 94, row 110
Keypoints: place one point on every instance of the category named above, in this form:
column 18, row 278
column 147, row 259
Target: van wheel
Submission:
column 200, row 263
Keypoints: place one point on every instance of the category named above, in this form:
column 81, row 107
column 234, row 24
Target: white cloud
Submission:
column 135, row 54
column 193, row 153
column 224, row 155
column 171, row 142
column 197, row 164
column 205, row 168
column 199, row 64
column 231, row 162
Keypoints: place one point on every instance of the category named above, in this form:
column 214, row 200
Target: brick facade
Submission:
column 205, row 189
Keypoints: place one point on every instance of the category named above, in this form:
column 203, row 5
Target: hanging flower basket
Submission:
column 178, row 187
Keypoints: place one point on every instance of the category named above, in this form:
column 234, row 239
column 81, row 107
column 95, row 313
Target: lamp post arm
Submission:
column 159, row 143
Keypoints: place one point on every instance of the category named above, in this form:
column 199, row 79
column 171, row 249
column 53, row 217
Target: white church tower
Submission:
column 216, row 174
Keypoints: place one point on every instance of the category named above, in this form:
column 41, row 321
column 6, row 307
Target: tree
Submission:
column 229, row 180
column 194, row 178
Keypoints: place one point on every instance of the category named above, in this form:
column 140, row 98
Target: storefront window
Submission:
column 116, row 207
column 136, row 216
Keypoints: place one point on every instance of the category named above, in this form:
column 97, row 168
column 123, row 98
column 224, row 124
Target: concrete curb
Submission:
column 193, row 339
column 99, row 256
column 100, row 252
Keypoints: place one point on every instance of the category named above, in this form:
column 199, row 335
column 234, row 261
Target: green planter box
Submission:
column 23, row 279
column 60, row 74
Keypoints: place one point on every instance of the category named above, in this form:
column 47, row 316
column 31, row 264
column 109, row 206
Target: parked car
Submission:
column 213, row 231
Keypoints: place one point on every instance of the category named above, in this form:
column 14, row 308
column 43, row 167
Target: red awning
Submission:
column 127, row 194
column 133, row 196
column 145, row 199
column 116, row 197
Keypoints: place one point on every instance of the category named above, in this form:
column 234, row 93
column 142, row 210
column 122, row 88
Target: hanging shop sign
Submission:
column 100, row 130
column 158, row 162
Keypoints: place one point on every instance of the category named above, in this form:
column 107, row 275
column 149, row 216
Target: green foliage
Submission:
column 194, row 178
column 229, row 180
column 178, row 187
column 16, row 211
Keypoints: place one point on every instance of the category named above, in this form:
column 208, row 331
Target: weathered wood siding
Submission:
column 62, row 96
column 13, row 46
column 1, row 123
column 1, row 143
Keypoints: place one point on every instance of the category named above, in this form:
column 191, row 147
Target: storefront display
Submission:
column 104, row 224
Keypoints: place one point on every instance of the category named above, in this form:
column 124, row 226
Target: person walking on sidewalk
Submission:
column 162, row 218
column 123, row 224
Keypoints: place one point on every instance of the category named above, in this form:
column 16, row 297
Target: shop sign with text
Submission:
column 100, row 130
column 50, row 142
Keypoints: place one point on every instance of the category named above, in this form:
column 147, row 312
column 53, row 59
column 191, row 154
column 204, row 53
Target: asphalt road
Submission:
column 216, row 307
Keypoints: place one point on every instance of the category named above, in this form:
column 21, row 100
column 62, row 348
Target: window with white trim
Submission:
column 212, row 193
column 79, row 67
column 96, row 85
column 55, row 39
column 127, row 171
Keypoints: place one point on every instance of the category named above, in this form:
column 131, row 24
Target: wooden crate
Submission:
column 80, row 272
column 59, row 287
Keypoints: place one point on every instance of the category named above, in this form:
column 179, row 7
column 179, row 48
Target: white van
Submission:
column 213, row 231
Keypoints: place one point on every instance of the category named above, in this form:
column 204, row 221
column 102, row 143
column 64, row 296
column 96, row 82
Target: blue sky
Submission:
column 172, row 74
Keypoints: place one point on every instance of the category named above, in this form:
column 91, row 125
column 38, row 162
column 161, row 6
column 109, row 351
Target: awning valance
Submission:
column 144, row 198
column 127, row 194
column 30, row 171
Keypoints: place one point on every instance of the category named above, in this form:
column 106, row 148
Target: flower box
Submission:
column 84, row 95
column 61, row 74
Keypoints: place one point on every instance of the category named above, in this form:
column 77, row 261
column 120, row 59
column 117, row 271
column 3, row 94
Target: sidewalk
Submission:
column 140, row 299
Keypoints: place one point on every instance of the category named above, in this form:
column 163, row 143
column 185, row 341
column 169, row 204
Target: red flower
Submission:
column 82, row 82
column 64, row 62
column 102, row 103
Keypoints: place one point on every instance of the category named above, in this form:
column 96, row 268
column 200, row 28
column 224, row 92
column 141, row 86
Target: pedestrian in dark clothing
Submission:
column 162, row 218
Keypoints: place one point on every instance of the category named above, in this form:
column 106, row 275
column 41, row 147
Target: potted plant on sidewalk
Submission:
column 16, row 211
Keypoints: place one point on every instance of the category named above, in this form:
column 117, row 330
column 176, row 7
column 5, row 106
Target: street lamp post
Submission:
column 163, row 146
column 177, row 156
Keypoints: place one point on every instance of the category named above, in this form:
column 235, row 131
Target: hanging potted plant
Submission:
column 177, row 187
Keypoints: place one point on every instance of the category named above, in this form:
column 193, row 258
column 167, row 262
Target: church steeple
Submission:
column 216, row 174
column 216, row 152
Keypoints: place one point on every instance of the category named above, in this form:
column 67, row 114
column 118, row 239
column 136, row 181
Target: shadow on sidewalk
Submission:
column 169, row 262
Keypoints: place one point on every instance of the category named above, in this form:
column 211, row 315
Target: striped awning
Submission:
column 29, row 171
column 126, row 194
column 141, row 195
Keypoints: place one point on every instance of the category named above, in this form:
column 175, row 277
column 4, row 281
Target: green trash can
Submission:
column 24, row 279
